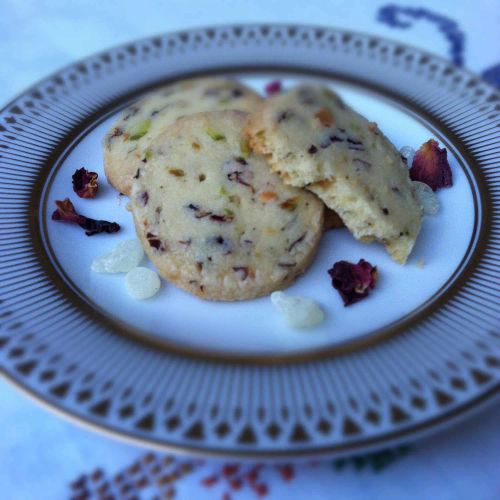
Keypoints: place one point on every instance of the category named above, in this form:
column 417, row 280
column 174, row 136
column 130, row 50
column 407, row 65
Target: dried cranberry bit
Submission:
column 242, row 271
column 353, row 281
column 222, row 218
column 155, row 242
column 66, row 212
column 273, row 87
column 85, row 183
column 430, row 165
column 143, row 198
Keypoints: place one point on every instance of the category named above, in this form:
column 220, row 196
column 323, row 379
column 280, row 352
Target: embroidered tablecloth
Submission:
column 45, row 457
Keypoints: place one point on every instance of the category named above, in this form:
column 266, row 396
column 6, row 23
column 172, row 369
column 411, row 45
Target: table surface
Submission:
column 45, row 457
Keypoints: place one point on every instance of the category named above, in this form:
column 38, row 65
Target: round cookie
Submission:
column 214, row 219
column 125, row 144
column 313, row 140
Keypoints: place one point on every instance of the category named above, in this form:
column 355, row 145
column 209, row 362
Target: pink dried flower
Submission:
column 430, row 165
column 353, row 281
column 273, row 87
column 85, row 183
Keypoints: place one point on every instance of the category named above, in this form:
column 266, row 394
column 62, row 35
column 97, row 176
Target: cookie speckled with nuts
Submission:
column 313, row 139
column 212, row 216
column 125, row 144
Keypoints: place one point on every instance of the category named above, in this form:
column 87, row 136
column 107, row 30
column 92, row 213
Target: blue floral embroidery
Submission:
column 402, row 17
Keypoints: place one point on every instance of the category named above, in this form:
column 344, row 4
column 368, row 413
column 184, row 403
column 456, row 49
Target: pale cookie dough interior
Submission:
column 312, row 139
column 125, row 144
column 212, row 216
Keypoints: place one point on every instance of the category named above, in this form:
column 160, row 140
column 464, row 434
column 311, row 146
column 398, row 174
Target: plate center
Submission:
column 254, row 327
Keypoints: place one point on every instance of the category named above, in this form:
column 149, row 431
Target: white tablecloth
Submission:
column 41, row 454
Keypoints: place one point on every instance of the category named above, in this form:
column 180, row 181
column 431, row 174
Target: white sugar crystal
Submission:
column 408, row 152
column 299, row 312
column 122, row 258
column 427, row 198
column 142, row 283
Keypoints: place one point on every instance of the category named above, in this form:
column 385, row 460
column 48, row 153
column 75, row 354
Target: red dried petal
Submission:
column 236, row 484
column 209, row 481
column 66, row 212
column 353, row 281
column 261, row 489
column 85, row 183
column 273, row 87
column 430, row 165
column 230, row 470
column 287, row 472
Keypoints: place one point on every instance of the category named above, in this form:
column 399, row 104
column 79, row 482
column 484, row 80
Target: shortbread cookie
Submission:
column 214, row 219
column 125, row 144
column 312, row 139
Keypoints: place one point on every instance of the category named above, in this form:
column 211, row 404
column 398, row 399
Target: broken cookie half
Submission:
column 312, row 139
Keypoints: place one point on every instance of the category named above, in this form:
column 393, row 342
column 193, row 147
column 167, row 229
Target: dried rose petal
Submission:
column 85, row 183
column 66, row 212
column 273, row 87
column 353, row 281
column 430, row 165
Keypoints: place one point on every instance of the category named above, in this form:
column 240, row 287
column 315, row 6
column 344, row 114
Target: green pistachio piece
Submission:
column 216, row 136
column 139, row 130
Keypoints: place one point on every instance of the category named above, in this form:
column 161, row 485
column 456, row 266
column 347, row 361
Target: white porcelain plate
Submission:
column 232, row 378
